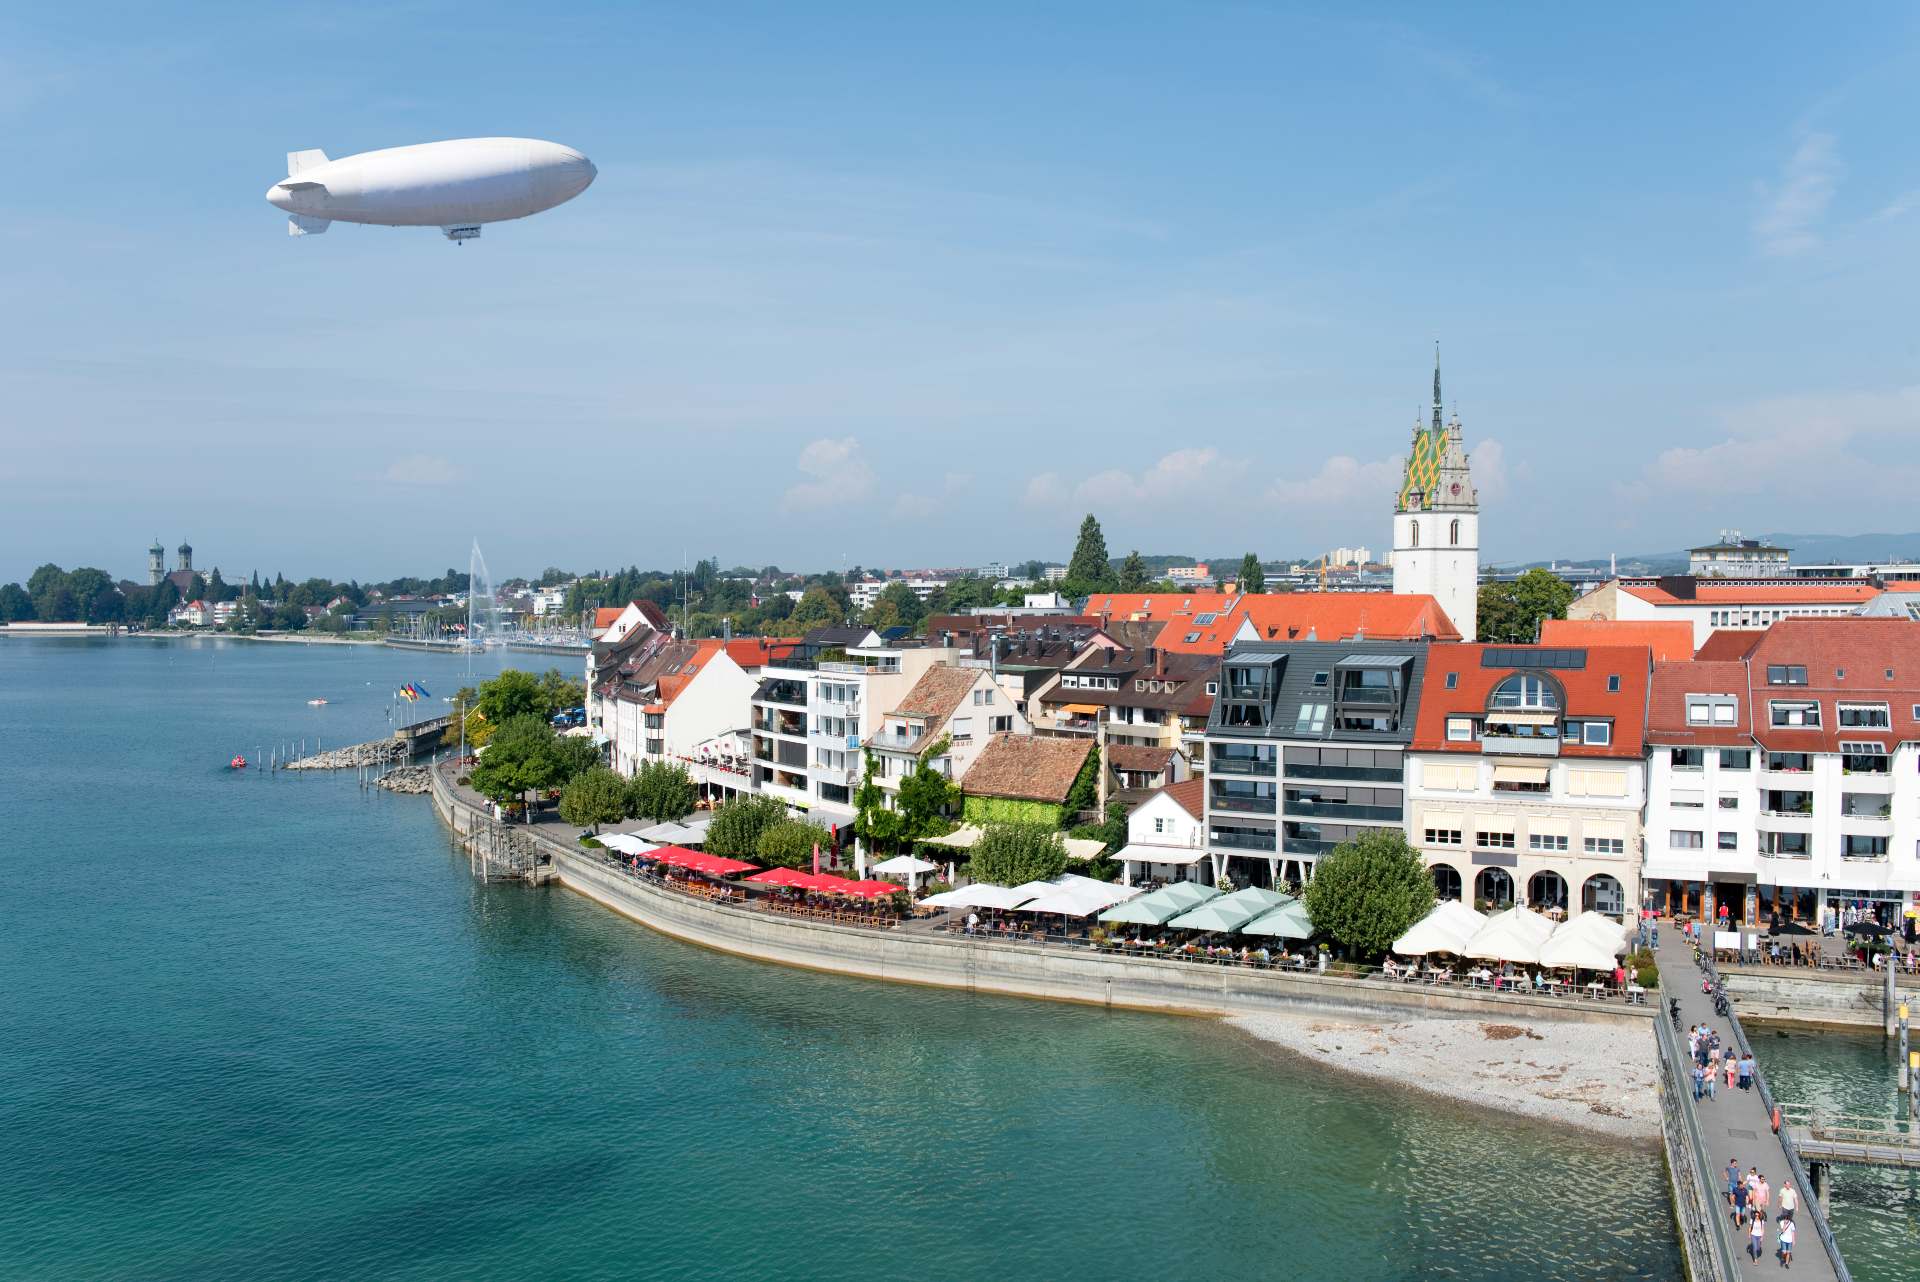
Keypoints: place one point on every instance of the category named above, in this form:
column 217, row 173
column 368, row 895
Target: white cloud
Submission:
column 912, row 504
column 836, row 474
column 1044, row 491
column 1176, row 475
column 1343, row 480
column 1899, row 207
column 1789, row 222
column 1488, row 459
column 421, row 469
column 1846, row 447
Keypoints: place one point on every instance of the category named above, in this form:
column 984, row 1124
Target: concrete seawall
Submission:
column 1779, row 995
column 1056, row 972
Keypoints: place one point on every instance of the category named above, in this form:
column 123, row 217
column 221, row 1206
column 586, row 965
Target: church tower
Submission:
column 186, row 549
column 1436, row 522
column 156, row 563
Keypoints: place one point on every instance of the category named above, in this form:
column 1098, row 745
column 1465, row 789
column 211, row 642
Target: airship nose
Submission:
column 279, row 197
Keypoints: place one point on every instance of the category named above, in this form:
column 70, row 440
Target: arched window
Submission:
column 1453, row 535
column 1416, row 534
column 1493, row 888
column 1524, row 690
column 1547, row 889
column 1446, row 882
column 1603, row 894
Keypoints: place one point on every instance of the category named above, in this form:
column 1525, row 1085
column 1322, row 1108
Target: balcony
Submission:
column 1306, row 846
column 1261, row 842
column 1352, row 774
column 1340, row 810
column 1079, row 725
column 1243, row 804
column 792, row 693
column 1362, row 697
column 1519, row 746
column 901, row 742
column 860, row 666
column 1875, row 781
column 1224, row 765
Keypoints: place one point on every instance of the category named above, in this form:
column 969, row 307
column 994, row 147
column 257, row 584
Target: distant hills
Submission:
column 1808, row 549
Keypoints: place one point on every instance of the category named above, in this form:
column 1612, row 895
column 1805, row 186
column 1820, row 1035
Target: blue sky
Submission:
column 908, row 284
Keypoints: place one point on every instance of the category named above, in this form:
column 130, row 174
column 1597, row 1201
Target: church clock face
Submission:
column 1456, row 487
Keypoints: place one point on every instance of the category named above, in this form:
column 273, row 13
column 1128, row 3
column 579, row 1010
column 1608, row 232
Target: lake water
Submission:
column 269, row 1028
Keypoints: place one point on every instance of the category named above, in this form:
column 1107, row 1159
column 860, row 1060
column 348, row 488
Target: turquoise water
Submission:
column 269, row 1028
column 1875, row 1214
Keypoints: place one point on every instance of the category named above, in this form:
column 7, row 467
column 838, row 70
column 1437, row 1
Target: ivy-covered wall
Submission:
column 1005, row 810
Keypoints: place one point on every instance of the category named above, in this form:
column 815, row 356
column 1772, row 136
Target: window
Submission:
column 1605, row 845
column 1789, row 762
column 1682, row 839
column 1865, row 716
column 1794, row 715
column 1863, row 758
column 1443, row 837
column 1613, row 684
column 1546, row 841
column 1599, row 733
column 1460, row 729
column 962, row 729
column 1493, row 840
column 1453, row 533
column 1312, row 719
column 1699, row 712
column 1687, row 800
column 1524, row 690
column 1213, row 687
column 1729, row 803
column 1686, row 758
column 1320, row 678
column 1855, row 846
column 1453, row 683
column 1000, row 725
column 1786, row 674
column 1728, row 841
column 1159, row 825
column 1415, row 536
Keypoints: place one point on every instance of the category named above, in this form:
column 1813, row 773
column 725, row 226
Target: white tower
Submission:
column 1436, row 522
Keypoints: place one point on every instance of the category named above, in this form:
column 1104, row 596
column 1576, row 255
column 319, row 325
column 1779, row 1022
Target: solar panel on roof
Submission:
column 1532, row 657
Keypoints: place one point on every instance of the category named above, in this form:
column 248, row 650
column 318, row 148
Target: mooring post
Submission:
column 1817, row 1172
column 1887, row 1001
column 1906, row 1073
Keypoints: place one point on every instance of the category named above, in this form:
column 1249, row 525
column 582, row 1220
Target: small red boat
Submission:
column 238, row 763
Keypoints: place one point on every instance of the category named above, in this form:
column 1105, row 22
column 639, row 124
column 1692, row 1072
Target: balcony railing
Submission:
column 1338, row 810
column 1245, row 805
column 795, row 695
column 1360, row 774
column 1262, row 842
column 1244, row 766
column 1360, row 696
column 1517, row 746
column 1306, row 846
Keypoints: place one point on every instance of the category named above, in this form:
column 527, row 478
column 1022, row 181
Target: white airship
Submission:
column 456, row 186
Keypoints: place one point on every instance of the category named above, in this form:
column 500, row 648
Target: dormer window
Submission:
column 1523, row 690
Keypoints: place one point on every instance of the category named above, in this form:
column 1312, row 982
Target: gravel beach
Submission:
column 1596, row 1076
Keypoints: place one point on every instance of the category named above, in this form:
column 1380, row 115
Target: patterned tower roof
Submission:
column 1438, row 477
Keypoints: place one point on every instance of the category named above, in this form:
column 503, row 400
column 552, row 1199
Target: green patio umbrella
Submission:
column 1288, row 921
column 1154, row 909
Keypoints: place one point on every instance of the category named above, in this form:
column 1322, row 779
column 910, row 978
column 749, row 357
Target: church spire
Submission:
column 1436, row 385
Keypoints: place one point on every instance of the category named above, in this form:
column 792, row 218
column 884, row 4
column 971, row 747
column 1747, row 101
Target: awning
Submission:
column 1083, row 709
column 1446, row 819
column 1154, row 909
column 1083, row 848
column 961, row 838
column 694, row 861
column 1493, row 823
column 1520, row 774
column 904, row 865
column 1522, row 718
column 1547, row 827
column 1612, row 828
column 1173, row 856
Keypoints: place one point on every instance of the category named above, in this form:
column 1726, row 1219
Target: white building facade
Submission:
column 1436, row 522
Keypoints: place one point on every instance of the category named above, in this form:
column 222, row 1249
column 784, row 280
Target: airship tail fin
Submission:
column 298, row 160
column 302, row 225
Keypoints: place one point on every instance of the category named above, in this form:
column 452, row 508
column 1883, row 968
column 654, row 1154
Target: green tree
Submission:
column 577, row 754
column 598, row 796
column 927, row 795
column 899, row 604
column 817, row 609
column 1133, row 573
column 1013, row 854
column 1252, row 577
column 1090, row 567
column 1366, row 892
column 874, row 820
column 1111, row 833
column 662, row 791
column 561, row 691
column 15, row 605
column 736, row 827
column 523, row 756
column 1510, row 613
column 511, row 694
column 789, row 844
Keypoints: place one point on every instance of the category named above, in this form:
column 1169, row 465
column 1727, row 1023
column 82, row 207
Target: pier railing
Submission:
column 1703, row 1229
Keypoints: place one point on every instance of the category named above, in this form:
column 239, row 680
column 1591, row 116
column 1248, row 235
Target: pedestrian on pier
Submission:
column 1712, row 1075
column 1762, row 1198
column 1787, row 1233
column 1746, row 1072
column 1757, row 1238
column 1739, row 1199
column 1699, row 1082
column 1733, row 1180
column 1789, row 1201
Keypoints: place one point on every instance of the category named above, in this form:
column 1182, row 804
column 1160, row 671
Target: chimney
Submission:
column 1159, row 660
column 726, row 630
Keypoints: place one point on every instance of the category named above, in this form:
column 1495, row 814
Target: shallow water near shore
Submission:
column 269, row 1028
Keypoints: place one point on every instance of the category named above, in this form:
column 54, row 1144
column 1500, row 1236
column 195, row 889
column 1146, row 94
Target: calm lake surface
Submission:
column 269, row 1028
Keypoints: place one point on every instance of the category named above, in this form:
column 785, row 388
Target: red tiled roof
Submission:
column 1135, row 757
column 1847, row 660
column 1667, row 703
column 1706, row 592
column 1277, row 616
column 1190, row 795
column 1669, row 639
column 1729, row 644
column 1026, row 768
column 1586, row 695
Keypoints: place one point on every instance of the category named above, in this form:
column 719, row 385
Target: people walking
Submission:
column 1739, row 1200
column 1789, row 1200
column 1712, row 1075
column 1699, row 1082
column 1733, row 1180
column 1733, row 1071
column 1746, row 1072
column 1787, row 1233
column 1757, row 1238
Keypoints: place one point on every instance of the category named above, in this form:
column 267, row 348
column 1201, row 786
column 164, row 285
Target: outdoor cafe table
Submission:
column 1636, row 994
column 1596, row 990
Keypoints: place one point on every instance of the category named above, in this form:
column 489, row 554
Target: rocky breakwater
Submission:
column 410, row 780
column 379, row 752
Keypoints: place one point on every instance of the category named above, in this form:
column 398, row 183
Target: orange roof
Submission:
column 1189, row 794
column 1588, row 694
column 1710, row 593
column 606, row 616
column 1207, row 622
column 1670, row 640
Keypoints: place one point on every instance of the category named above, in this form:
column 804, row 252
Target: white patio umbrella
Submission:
column 1576, row 948
column 1444, row 930
column 1512, row 936
column 903, row 865
column 625, row 842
